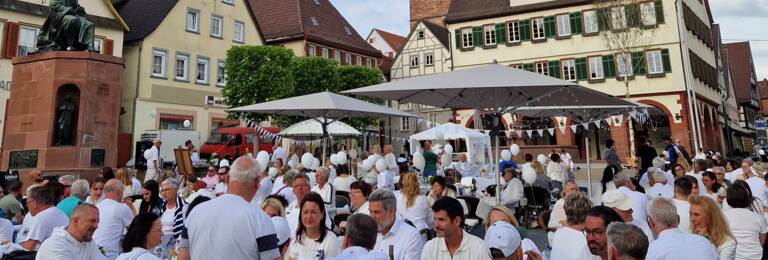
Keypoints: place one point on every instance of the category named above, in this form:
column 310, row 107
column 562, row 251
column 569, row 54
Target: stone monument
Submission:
column 62, row 114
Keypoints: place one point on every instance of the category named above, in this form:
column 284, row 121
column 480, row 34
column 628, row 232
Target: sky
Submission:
column 739, row 20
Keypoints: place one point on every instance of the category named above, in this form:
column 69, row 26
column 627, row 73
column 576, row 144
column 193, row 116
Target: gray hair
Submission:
column 170, row 182
column 113, row 185
column 658, row 162
column 69, row 179
column 362, row 231
column 80, row 188
column 629, row 240
column 749, row 161
column 621, row 179
column 386, row 197
column 323, row 170
column 718, row 168
column 300, row 175
column 659, row 177
column 576, row 206
column 570, row 182
column 245, row 170
column 663, row 213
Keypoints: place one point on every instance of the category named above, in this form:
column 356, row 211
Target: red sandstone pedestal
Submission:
column 39, row 84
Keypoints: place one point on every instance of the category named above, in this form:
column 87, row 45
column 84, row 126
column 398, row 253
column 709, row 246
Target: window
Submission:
column 569, row 70
column 429, row 59
column 542, row 68
column 27, row 40
column 420, row 34
column 514, row 31
column 405, row 124
column 348, row 59
column 158, row 63
column 311, row 50
column 655, row 64
column 182, row 67
column 489, row 32
column 590, row 22
column 624, row 63
column 563, row 25
column 231, row 2
column 370, row 62
column 518, row 66
column 596, row 68
column 221, row 74
column 618, row 18
column 537, row 27
column 325, row 52
column 337, row 56
column 202, row 71
column 239, row 32
column 193, row 20
column 217, row 23
column 175, row 121
column 97, row 43
column 314, row 21
column 433, row 118
column 466, row 38
column 648, row 12
column 349, row 32
column 359, row 61
column 415, row 61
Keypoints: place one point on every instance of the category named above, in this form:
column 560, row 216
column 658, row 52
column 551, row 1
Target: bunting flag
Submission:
column 597, row 123
column 585, row 126
column 541, row 132
column 551, row 131
column 562, row 129
column 609, row 121
column 573, row 128
column 530, row 133
column 519, row 133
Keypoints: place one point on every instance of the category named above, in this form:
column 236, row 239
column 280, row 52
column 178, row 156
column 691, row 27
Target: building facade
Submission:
column 174, row 67
column 386, row 42
column 20, row 23
column 745, row 86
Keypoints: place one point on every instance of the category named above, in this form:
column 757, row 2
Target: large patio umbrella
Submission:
column 324, row 107
column 492, row 89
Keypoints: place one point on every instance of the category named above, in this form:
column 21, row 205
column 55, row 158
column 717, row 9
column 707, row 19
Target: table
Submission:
column 487, row 203
column 483, row 182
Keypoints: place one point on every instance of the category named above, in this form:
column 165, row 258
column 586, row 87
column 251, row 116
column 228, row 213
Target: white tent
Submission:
column 478, row 143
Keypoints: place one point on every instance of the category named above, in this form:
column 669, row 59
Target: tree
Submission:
column 352, row 77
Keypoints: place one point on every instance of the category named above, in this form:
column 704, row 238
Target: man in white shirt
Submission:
column 153, row 160
column 746, row 167
column 671, row 242
column 659, row 186
column 300, row 188
column 242, row 231
column 683, row 187
column 43, row 218
column 265, row 188
column 464, row 166
column 452, row 241
column 391, row 160
column 325, row 189
column 512, row 191
column 114, row 217
column 756, row 184
column 395, row 236
column 221, row 187
column 385, row 179
column 74, row 240
column 359, row 240
column 626, row 241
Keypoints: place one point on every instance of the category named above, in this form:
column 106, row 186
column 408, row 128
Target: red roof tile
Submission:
column 393, row 40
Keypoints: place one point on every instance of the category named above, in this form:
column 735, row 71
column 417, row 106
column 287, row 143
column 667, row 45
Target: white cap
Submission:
column 224, row 163
column 282, row 229
column 503, row 236
column 617, row 199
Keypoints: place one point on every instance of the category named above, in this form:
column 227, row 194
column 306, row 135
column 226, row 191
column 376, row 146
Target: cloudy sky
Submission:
column 740, row 20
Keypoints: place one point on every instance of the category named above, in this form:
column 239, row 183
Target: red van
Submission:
column 236, row 141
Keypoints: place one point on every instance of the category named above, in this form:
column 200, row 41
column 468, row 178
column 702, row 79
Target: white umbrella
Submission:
column 313, row 127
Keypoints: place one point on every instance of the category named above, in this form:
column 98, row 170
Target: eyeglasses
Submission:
column 596, row 232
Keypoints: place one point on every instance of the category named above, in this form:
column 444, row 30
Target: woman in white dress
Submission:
column 414, row 206
column 312, row 235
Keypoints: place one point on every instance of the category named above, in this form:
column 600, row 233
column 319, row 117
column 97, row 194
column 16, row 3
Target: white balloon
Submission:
column 542, row 159
column 439, row 136
column 341, row 158
column 187, row 123
column 418, row 161
column 306, row 160
column 506, row 155
column 446, row 160
column 315, row 163
column 381, row 165
column 292, row 164
column 333, row 159
column 353, row 153
column 263, row 159
column 367, row 165
column 515, row 149
column 448, row 148
column 272, row 172
column 529, row 175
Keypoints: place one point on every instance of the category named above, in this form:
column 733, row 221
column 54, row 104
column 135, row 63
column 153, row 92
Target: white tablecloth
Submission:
column 484, row 182
column 485, row 206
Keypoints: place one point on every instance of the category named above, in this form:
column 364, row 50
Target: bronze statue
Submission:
column 65, row 123
column 66, row 28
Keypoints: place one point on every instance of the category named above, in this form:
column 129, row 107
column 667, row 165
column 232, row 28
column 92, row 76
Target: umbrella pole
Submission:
column 496, row 175
column 589, row 166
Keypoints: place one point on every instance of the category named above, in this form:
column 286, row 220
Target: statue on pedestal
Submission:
column 66, row 28
column 65, row 123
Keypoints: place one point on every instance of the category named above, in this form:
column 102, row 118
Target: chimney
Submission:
column 430, row 10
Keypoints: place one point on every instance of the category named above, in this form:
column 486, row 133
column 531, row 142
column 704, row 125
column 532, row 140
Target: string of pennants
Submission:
column 264, row 133
column 639, row 116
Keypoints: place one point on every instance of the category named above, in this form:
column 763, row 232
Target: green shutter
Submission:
column 665, row 59
column 457, row 33
column 528, row 67
column 609, row 66
column 659, row 11
column 501, row 33
column 581, row 69
column 477, row 35
column 603, row 19
column 554, row 69
column 576, row 23
column 549, row 27
column 638, row 63
column 525, row 30
column 632, row 11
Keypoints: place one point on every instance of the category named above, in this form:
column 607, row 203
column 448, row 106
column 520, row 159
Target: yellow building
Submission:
column 20, row 23
column 175, row 56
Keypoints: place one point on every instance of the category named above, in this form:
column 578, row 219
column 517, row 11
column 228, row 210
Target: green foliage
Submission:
column 357, row 77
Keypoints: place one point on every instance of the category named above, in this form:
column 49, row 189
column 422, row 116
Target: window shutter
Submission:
column 11, row 40
column 501, row 33
column 525, row 30
column 549, row 26
column 609, row 66
column 554, row 69
column 581, row 69
column 477, row 33
column 109, row 47
column 528, row 67
column 632, row 11
column 659, row 11
column 576, row 23
column 665, row 59
column 458, row 39
column 638, row 63
column 603, row 19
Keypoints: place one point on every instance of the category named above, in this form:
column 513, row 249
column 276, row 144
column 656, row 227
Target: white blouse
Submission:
column 307, row 249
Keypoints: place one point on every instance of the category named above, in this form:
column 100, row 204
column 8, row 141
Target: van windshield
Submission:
column 219, row 138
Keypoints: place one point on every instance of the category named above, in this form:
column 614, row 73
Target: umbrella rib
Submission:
column 533, row 99
column 459, row 97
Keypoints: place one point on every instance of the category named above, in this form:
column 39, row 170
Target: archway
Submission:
column 656, row 125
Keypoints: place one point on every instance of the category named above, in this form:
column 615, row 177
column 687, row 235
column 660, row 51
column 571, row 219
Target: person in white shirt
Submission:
column 626, row 241
column 452, row 241
column 96, row 194
column 74, row 240
column 595, row 226
column 344, row 179
column 570, row 241
column 699, row 166
column 300, row 188
column 671, row 242
column 748, row 228
column 221, row 187
column 391, row 160
column 358, row 197
column 439, row 189
column 639, row 201
column 557, row 218
column 709, row 221
column 142, row 237
column 659, row 186
column 512, row 191
column 114, row 217
column 503, row 240
column 247, row 233
column 43, row 218
column 287, row 190
column 265, row 188
column 385, row 179
column 464, row 166
column 683, row 189
column 6, row 230
column 359, row 240
column 153, row 160
column 394, row 235
column 414, row 206
column 312, row 235
column 325, row 189
column 279, row 153
column 757, row 184
column 556, row 169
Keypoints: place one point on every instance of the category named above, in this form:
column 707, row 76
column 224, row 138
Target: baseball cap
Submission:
column 503, row 236
column 282, row 229
column 617, row 199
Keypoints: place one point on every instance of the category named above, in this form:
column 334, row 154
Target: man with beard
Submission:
column 74, row 240
column 452, row 242
column 595, row 226
column 396, row 239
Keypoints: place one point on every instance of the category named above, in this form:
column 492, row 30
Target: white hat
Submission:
column 282, row 229
column 617, row 199
column 503, row 236
column 224, row 163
